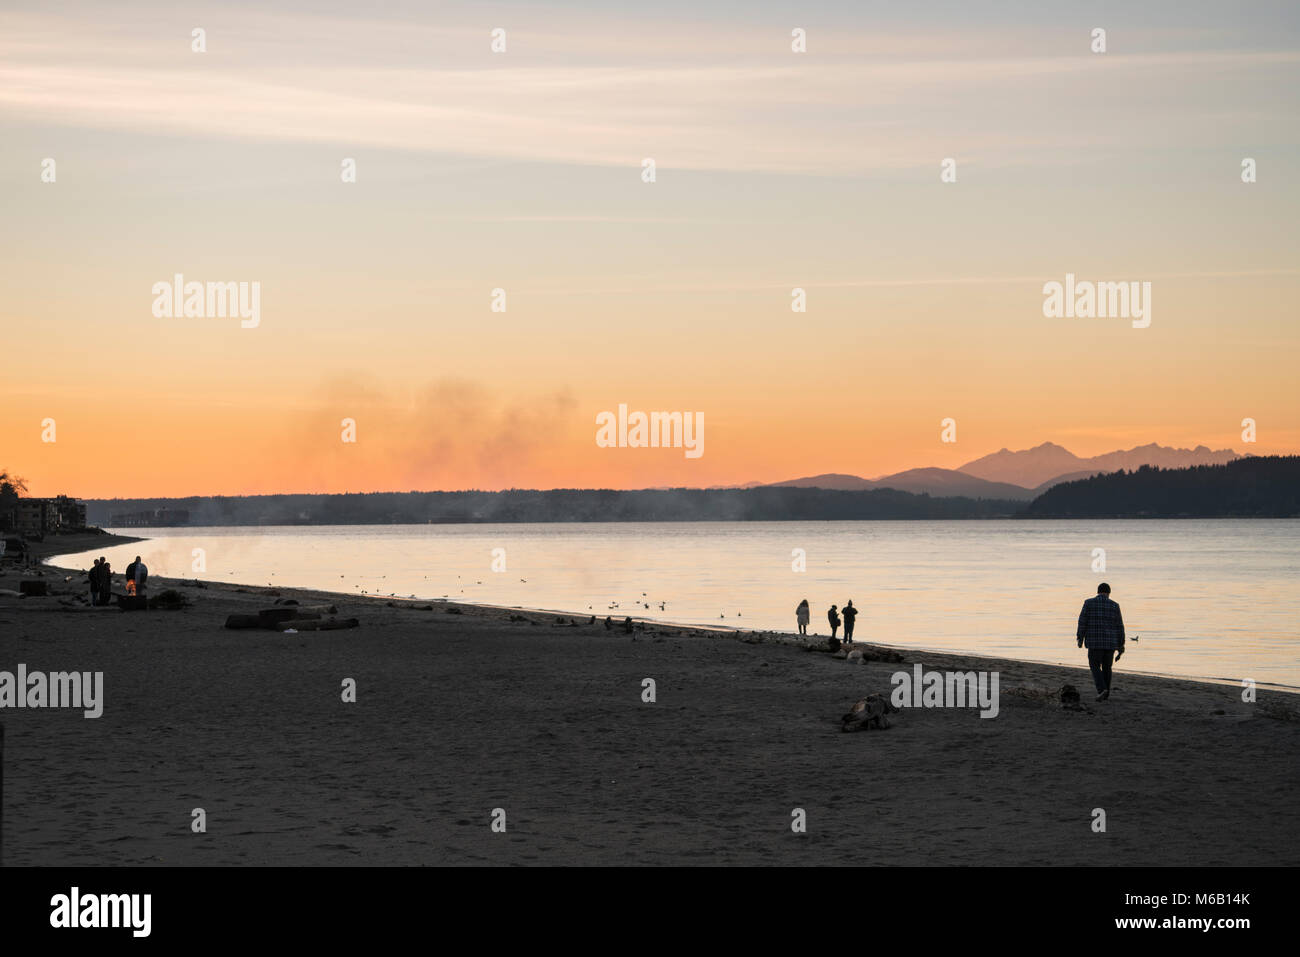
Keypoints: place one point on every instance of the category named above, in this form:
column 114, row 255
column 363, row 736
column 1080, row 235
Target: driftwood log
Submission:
column 299, row 619
column 313, row 624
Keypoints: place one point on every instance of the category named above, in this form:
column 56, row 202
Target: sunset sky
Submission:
column 522, row 170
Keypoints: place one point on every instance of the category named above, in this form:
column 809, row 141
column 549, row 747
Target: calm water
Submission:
column 1209, row 598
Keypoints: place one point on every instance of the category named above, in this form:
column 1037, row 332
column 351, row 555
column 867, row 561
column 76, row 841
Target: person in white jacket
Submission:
column 801, row 616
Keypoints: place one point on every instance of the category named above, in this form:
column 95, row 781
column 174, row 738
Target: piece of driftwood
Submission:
column 320, row 611
column 270, row 616
column 871, row 712
column 308, row 620
column 32, row 588
column 318, row 624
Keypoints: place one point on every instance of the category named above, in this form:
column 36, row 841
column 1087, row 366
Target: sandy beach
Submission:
column 462, row 709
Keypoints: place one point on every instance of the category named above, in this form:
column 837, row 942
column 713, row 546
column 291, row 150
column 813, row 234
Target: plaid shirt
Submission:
column 1100, row 623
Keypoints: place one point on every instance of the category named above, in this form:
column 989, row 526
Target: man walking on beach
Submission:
column 1101, row 628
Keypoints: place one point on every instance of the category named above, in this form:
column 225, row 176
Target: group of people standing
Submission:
column 101, row 581
column 100, row 577
column 833, row 615
column 1100, row 629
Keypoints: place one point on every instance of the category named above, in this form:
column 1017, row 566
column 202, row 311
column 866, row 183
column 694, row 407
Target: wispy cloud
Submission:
column 610, row 99
column 739, row 285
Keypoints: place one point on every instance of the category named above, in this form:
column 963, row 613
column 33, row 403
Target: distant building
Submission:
column 150, row 518
column 30, row 516
column 37, row 516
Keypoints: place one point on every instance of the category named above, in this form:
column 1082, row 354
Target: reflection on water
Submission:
column 1208, row 598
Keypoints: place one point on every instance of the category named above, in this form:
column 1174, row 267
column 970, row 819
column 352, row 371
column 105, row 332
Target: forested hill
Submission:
column 562, row 505
column 1260, row 487
column 1257, row 487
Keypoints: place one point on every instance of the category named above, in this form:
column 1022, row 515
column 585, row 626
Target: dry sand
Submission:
column 458, row 714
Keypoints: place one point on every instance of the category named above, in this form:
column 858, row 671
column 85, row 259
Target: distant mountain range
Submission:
column 1049, row 462
column 929, row 481
column 1019, row 476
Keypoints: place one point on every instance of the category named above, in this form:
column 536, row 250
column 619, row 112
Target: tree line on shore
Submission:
column 1255, row 487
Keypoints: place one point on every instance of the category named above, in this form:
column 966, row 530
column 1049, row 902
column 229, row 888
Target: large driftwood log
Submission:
column 327, row 624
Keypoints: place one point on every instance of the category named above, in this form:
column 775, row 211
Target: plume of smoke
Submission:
column 449, row 433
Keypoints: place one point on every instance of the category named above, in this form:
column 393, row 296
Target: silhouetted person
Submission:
column 833, row 617
column 801, row 616
column 106, row 578
column 138, row 572
column 850, row 613
column 99, row 583
column 93, row 577
column 1101, row 628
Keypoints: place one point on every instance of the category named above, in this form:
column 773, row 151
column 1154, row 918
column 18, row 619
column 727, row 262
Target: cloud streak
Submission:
column 764, row 110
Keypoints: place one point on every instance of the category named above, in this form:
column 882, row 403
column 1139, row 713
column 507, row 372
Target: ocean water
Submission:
column 1207, row 598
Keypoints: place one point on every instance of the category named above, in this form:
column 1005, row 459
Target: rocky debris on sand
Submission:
column 169, row 599
column 855, row 654
column 870, row 712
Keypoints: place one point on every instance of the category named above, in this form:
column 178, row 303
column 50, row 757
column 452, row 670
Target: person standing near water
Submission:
column 801, row 616
column 833, row 617
column 850, row 614
column 105, row 581
column 1101, row 628
column 93, row 577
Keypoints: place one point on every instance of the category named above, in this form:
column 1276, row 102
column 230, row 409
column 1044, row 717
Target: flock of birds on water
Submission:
column 613, row 606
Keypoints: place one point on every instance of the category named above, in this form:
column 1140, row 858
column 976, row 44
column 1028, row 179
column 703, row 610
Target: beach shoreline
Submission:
column 462, row 709
column 55, row 545
column 743, row 634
